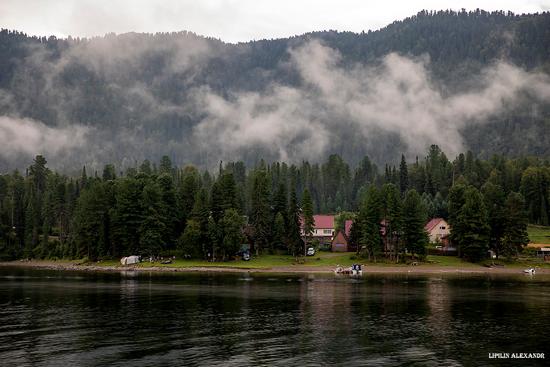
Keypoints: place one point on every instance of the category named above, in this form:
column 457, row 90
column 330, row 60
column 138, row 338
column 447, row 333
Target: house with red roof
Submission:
column 323, row 229
column 438, row 230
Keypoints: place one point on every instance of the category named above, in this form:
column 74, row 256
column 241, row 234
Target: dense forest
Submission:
column 124, row 98
column 153, row 209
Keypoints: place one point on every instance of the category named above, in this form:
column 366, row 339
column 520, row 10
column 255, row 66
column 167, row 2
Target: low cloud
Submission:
column 152, row 97
column 280, row 122
column 24, row 138
column 396, row 96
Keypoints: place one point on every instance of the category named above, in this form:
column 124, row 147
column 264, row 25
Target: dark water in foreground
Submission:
column 67, row 318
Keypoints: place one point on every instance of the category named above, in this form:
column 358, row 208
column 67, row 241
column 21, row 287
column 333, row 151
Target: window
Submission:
column 442, row 227
column 327, row 231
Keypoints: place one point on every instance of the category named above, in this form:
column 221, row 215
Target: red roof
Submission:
column 347, row 227
column 323, row 221
column 432, row 223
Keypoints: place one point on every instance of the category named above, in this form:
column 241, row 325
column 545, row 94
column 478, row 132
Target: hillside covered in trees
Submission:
column 152, row 209
column 466, row 81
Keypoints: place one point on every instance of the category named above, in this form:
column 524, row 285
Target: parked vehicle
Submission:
column 246, row 256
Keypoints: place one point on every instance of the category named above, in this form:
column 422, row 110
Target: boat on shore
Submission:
column 355, row 270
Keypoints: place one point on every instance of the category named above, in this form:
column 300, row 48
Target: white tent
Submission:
column 129, row 260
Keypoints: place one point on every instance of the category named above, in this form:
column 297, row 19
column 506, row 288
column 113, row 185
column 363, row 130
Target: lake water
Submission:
column 50, row 318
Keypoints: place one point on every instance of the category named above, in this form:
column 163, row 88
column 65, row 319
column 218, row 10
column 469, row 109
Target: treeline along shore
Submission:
column 157, row 210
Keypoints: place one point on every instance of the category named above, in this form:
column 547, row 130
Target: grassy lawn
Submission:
column 257, row 262
column 449, row 261
column 539, row 234
column 320, row 259
column 326, row 259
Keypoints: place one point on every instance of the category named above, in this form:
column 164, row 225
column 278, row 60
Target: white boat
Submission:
column 339, row 270
column 529, row 271
column 355, row 269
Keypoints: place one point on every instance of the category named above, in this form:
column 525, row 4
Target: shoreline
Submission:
column 293, row 269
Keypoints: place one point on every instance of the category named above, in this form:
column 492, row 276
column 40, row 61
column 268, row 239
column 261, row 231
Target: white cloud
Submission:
column 397, row 97
column 29, row 137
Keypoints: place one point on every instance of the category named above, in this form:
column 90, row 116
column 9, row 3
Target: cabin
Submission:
column 340, row 242
column 438, row 231
column 323, row 230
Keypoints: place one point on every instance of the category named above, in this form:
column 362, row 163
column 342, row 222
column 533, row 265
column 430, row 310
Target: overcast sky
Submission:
column 229, row 20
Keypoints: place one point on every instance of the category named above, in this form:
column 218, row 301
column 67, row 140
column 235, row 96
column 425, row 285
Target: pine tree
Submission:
column 186, row 195
column 32, row 222
column 224, row 196
column 494, row 199
column 472, row 230
column 261, row 215
column 201, row 214
column 127, row 215
column 293, row 236
column 279, row 231
column 456, row 200
column 167, row 210
column 109, row 172
column 166, row 165
column 280, row 201
column 515, row 235
column 403, row 175
column 189, row 243
column 308, row 222
column 391, row 212
column 355, row 234
column 153, row 224
column 414, row 218
column 231, row 227
column 89, row 222
column 370, row 216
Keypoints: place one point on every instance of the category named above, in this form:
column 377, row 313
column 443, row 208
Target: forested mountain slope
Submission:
column 463, row 80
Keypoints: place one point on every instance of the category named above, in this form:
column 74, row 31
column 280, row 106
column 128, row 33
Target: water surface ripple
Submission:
column 50, row 318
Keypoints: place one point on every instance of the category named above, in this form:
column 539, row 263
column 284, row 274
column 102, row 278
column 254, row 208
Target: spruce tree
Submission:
column 261, row 215
column 415, row 237
column 279, row 231
column 168, row 209
column 391, row 212
column 456, row 200
column 153, row 225
column 308, row 222
column 189, row 243
column 472, row 230
column 494, row 199
column 515, row 236
column 127, row 215
column 370, row 216
column 403, row 175
column 280, row 201
column 231, row 231
column 293, row 235
column 201, row 214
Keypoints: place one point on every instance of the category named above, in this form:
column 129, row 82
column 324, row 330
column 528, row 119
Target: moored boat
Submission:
column 355, row 269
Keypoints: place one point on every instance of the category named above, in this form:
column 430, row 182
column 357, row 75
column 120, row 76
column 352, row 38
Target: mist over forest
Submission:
column 465, row 81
